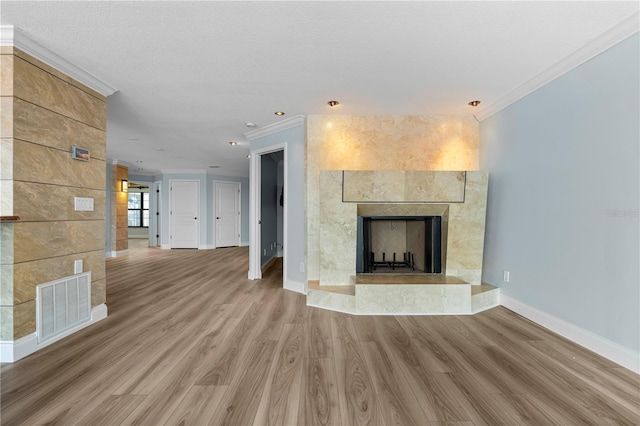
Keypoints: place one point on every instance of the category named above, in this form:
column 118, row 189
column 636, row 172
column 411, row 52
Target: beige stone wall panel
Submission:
column 6, row 285
column 98, row 292
column 6, row 323
column 122, row 245
column 44, row 127
column 6, row 243
column 37, row 163
column 41, row 240
column 39, row 87
column 6, row 116
column 6, row 74
column 29, row 275
column 122, row 233
column 6, row 159
column 49, row 69
column 42, row 202
column 6, row 198
column 24, row 319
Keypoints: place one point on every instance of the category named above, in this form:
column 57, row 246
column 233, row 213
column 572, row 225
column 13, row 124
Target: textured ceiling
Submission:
column 191, row 74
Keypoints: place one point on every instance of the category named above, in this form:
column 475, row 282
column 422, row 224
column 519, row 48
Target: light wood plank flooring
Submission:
column 190, row 341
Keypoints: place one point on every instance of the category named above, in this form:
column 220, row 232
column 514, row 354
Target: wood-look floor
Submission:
column 190, row 341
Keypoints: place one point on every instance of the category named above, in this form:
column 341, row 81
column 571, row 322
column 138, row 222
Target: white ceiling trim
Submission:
column 230, row 173
column 297, row 120
column 606, row 40
column 11, row 36
column 184, row 171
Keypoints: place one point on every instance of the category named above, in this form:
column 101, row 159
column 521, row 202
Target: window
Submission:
column 138, row 209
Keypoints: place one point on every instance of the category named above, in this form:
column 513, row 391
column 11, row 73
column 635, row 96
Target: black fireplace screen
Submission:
column 399, row 244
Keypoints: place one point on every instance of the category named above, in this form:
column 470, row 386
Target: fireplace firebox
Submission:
column 399, row 244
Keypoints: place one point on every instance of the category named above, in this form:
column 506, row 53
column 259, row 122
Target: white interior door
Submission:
column 227, row 196
column 184, row 211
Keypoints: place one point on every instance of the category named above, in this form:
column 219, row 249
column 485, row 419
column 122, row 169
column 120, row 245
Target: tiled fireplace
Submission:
column 451, row 205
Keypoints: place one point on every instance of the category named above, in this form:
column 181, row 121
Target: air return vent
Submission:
column 62, row 305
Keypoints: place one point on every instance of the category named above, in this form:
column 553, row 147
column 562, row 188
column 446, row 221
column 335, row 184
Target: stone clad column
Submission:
column 44, row 114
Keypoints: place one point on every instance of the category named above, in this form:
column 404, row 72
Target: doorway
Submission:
column 274, row 193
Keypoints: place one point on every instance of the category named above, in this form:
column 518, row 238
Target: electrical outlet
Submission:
column 77, row 266
column 264, row 252
column 505, row 276
column 301, row 266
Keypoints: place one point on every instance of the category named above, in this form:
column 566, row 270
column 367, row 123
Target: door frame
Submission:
column 215, row 199
column 255, row 201
column 198, row 209
column 155, row 209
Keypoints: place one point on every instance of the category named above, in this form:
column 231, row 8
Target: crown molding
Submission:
column 297, row 120
column 184, row 171
column 230, row 173
column 604, row 41
column 11, row 36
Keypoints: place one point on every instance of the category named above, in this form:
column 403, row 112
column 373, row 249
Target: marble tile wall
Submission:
column 463, row 222
column 44, row 113
column 346, row 142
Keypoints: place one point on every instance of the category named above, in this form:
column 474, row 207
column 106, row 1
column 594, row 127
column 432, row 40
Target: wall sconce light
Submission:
column 125, row 185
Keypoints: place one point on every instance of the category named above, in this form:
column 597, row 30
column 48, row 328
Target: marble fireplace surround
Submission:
column 459, row 197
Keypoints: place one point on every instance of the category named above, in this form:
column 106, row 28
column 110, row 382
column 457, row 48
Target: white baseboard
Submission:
column 244, row 244
column 598, row 344
column 165, row 246
column 120, row 253
column 296, row 286
column 109, row 254
column 12, row 351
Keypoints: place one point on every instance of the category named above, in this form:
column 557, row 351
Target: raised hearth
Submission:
column 404, row 294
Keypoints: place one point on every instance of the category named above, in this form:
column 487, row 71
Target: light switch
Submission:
column 83, row 204
column 77, row 266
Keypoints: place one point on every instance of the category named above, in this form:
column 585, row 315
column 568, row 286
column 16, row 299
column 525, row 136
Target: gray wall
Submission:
column 563, row 203
column 268, row 210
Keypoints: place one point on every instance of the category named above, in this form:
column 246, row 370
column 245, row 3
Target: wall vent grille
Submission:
column 62, row 304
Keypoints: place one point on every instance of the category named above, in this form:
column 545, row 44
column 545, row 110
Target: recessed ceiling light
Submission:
column 279, row 113
column 474, row 103
column 248, row 156
column 233, row 143
column 333, row 103
column 139, row 161
column 250, row 124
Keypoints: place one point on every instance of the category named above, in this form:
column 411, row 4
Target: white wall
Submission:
column 564, row 185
